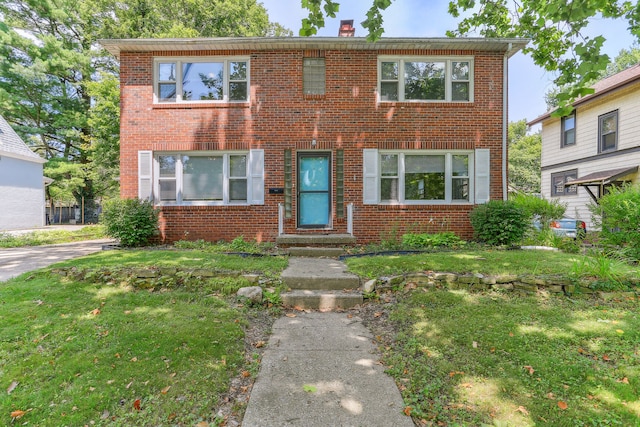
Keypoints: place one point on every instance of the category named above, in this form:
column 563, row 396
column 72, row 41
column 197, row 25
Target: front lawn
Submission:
column 51, row 236
column 461, row 358
column 77, row 353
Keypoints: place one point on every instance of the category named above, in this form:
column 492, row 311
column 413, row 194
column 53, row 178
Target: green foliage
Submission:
column 132, row 221
column 426, row 240
column 50, row 237
column 524, row 158
column 499, row 222
column 618, row 216
column 536, row 207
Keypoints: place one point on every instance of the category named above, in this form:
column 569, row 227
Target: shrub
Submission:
column 132, row 221
column 618, row 216
column 544, row 210
column 426, row 240
column 499, row 222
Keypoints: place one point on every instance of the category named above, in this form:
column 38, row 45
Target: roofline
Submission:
column 18, row 156
column 589, row 98
column 117, row 46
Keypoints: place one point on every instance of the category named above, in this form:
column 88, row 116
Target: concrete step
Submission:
column 321, row 300
column 318, row 274
column 289, row 240
column 315, row 252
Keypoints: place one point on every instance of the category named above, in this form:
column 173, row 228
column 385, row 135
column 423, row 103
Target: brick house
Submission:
column 268, row 137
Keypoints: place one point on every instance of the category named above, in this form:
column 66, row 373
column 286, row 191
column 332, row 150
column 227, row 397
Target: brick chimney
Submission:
column 346, row 28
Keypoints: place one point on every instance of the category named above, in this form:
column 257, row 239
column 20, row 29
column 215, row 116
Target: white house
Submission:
column 22, row 198
column 595, row 147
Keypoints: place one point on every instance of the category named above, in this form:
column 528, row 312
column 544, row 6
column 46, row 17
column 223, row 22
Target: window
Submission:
column 421, row 177
column 313, row 76
column 185, row 178
column 608, row 131
column 188, row 80
column 558, row 181
column 569, row 130
column 425, row 79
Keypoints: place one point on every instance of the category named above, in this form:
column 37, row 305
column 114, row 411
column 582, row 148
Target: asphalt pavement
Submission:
column 16, row 261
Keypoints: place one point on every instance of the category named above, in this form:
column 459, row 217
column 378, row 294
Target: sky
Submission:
column 528, row 83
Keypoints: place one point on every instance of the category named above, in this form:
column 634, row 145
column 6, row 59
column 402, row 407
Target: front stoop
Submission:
column 315, row 252
column 320, row 283
column 322, row 300
column 315, row 240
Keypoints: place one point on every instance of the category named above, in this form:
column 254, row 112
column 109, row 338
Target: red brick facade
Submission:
column 279, row 117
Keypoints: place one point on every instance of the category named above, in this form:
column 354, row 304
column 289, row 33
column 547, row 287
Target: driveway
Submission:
column 15, row 261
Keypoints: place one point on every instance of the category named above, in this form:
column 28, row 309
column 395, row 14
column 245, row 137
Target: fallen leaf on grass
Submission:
column 466, row 385
column 165, row 390
column 246, row 374
column 530, row 369
column 95, row 312
column 523, row 410
column 202, row 424
column 136, row 404
column 12, row 386
column 377, row 314
column 606, row 358
column 17, row 414
column 134, row 359
column 260, row 344
column 454, row 373
column 562, row 405
column 407, row 411
column 625, row 380
column 475, row 344
column 290, row 315
column 620, row 331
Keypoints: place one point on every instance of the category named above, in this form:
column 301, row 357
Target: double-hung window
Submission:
column 569, row 130
column 187, row 178
column 202, row 80
column 608, row 131
column 558, row 181
column 425, row 177
column 425, row 79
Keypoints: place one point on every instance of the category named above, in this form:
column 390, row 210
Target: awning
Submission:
column 601, row 180
column 603, row 177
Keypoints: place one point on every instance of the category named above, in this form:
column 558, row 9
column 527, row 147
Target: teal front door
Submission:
column 314, row 195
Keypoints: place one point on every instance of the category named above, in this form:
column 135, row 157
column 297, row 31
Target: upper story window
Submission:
column 608, row 132
column 558, row 181
column 569, row 129
column 201, row 80
column 313, row 76
column 425, row 79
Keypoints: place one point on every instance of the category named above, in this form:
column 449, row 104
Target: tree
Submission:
column 524, row 158
column 59, row 89
column 555, row 28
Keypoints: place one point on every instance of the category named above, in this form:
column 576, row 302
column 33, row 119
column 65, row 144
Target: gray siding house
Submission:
column 22, row 198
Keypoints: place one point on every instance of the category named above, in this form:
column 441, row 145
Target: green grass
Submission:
column 492, row 262
column 83, row 353
column 501, row 359
column 49, row 237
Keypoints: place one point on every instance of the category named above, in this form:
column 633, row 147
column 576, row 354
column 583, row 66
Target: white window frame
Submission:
column 227, row 60
column 179, row 178
column 448, row 177
column 448, row 60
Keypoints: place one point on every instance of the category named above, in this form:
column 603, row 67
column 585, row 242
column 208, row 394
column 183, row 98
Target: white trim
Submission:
column 145, row 175
column 370, row 180
column 447, row 60
column 179, row 60
column 482, row 175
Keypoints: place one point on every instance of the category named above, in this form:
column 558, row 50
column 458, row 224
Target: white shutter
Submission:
column 483, row 175
column 145, row 175
column 256, row 177
column 370, row 180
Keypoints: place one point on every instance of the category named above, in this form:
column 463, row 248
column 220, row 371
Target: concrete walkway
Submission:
column 16, row 261
column 321, row 369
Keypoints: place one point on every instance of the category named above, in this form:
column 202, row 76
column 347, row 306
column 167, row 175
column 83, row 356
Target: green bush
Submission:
column 618, row 216
column 426, row 240
column 499, row 222
column 543, row 209
column 132, row 221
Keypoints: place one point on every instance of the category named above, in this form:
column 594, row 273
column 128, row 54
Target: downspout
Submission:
column 505, row 125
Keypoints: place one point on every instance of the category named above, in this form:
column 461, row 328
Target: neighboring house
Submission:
column 263, row 137
column 21, row 182
column 595, row 147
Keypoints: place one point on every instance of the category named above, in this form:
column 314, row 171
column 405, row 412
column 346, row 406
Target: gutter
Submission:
column 505, row 117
